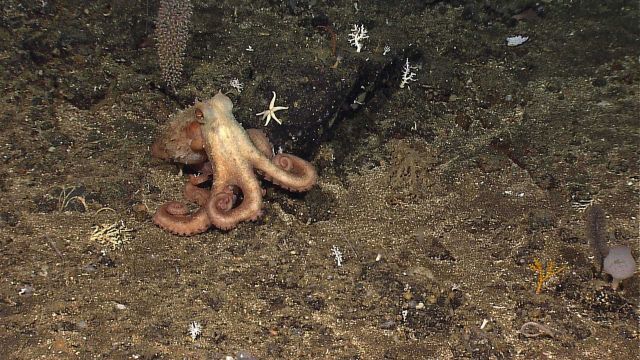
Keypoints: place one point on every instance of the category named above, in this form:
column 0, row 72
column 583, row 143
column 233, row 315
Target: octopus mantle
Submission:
column 208, row 137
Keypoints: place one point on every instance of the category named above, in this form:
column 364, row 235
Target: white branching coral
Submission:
column 358, row 33
column 237, row 85
column 337, row 255
column 195, row 330
column 113, row 235
column 407, row 74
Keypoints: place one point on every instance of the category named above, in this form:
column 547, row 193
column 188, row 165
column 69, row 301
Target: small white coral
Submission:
column 407, row 74
column 337, row 255
column 195, row 330
column 358, row 33
column 237, row 85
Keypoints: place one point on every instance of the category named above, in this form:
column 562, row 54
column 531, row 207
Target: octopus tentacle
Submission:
column 205, row 174
column 220, row 206
column 175, row 218
column 226, row 200
column 261, row 142
column 199, row 179
column 196, row 194
column 289, row 171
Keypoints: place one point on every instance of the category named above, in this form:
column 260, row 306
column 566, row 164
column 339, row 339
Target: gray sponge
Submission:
column 619, row 264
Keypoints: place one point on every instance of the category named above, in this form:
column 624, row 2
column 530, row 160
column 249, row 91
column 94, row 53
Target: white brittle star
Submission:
column 271, row 112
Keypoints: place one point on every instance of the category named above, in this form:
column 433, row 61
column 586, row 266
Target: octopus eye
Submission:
column 199, row 114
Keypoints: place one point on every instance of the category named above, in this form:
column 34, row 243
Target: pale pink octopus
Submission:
column 208, row 137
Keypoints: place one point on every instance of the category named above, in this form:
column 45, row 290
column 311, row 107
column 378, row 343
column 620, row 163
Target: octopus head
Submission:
column 214, row 110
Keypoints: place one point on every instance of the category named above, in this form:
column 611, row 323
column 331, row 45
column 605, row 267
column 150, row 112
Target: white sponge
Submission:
column 619, row 264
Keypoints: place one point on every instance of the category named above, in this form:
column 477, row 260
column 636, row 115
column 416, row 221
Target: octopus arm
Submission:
column 289, row 171
column 196, row 194
column 261, row 142
column 221, row 208
column 175, row 218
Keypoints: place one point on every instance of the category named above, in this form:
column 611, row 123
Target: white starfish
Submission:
column 271, row 111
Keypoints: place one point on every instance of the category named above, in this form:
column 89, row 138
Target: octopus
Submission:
column 208, row 138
